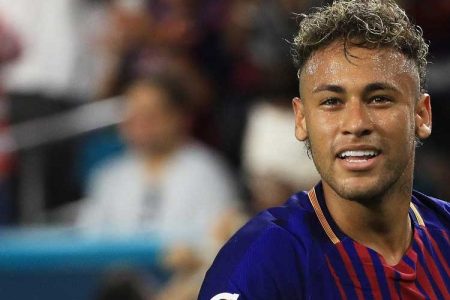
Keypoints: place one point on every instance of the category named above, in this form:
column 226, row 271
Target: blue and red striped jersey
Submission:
column 298, row 252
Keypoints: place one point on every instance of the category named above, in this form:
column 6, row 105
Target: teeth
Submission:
column 358, row 153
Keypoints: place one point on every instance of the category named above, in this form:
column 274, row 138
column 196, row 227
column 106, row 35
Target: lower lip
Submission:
column 354, row 164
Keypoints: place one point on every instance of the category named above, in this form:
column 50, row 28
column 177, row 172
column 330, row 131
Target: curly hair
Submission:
column 363, row 23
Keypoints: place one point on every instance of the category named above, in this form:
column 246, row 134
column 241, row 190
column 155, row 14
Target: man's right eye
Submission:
column 331, row 102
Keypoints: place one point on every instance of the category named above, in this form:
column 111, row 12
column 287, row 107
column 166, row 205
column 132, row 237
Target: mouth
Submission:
column 358, row 156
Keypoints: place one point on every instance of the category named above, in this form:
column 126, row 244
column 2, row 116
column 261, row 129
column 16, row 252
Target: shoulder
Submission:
column 435, row 212
column 269, row 256
column 121, row 161
column 199, row 154
column 197, row 161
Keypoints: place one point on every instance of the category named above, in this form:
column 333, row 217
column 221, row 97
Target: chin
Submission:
column 364, row 190
column 358, row 194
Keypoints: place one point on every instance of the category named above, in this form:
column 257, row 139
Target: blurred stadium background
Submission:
column 65, row 65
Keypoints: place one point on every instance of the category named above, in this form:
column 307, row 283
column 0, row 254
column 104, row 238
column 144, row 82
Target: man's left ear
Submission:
column 423, row 117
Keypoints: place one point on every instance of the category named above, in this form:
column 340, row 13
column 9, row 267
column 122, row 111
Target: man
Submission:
column 165, row 182
column 362, row 232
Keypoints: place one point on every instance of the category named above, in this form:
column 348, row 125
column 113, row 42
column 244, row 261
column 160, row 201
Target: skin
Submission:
column 368, row 100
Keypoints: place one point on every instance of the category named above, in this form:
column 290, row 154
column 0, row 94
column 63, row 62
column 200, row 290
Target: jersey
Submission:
column 298, row 252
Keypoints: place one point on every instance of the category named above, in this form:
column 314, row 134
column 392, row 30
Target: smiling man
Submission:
column 362, row 232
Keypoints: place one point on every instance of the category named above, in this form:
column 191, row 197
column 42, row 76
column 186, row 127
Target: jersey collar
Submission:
column 333, row 232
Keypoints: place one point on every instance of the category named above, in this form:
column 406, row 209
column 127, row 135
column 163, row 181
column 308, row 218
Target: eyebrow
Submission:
column 372, row 87
column 376, row 86
column 330, row 88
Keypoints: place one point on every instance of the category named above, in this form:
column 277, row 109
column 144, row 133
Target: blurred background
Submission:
column 137, row 135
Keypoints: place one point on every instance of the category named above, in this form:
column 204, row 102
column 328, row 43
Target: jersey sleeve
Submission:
column 257, row 263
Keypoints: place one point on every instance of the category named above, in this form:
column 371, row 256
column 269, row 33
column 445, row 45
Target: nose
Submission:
column 356, row 119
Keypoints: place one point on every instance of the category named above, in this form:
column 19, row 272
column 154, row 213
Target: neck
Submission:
column 155, row 164
column 155, row 160
column 382, row 224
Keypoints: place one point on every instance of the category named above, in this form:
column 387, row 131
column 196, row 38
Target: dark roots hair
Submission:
column 362, row 23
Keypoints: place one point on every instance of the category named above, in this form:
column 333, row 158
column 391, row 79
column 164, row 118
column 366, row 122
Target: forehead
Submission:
column 356, row 65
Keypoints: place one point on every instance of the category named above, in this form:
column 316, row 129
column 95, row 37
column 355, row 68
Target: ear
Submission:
column 301, row 132
column 423, row 117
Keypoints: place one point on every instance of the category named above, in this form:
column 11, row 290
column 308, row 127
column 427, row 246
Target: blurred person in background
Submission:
column 165, row 181
column 135, row 41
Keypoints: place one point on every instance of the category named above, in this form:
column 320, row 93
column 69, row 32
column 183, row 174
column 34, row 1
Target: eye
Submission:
column 331, row 102
column 380, row 100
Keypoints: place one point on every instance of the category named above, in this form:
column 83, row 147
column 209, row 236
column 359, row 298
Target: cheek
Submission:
column 400, row 122
column 323, row 126
column 397, row 130
column 322, row 131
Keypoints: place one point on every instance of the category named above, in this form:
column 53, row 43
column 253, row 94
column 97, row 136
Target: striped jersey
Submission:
column 298, row 252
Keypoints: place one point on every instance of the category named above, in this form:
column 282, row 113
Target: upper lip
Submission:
column 342, row 149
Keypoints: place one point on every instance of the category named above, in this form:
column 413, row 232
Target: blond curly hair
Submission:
column 362, row 23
